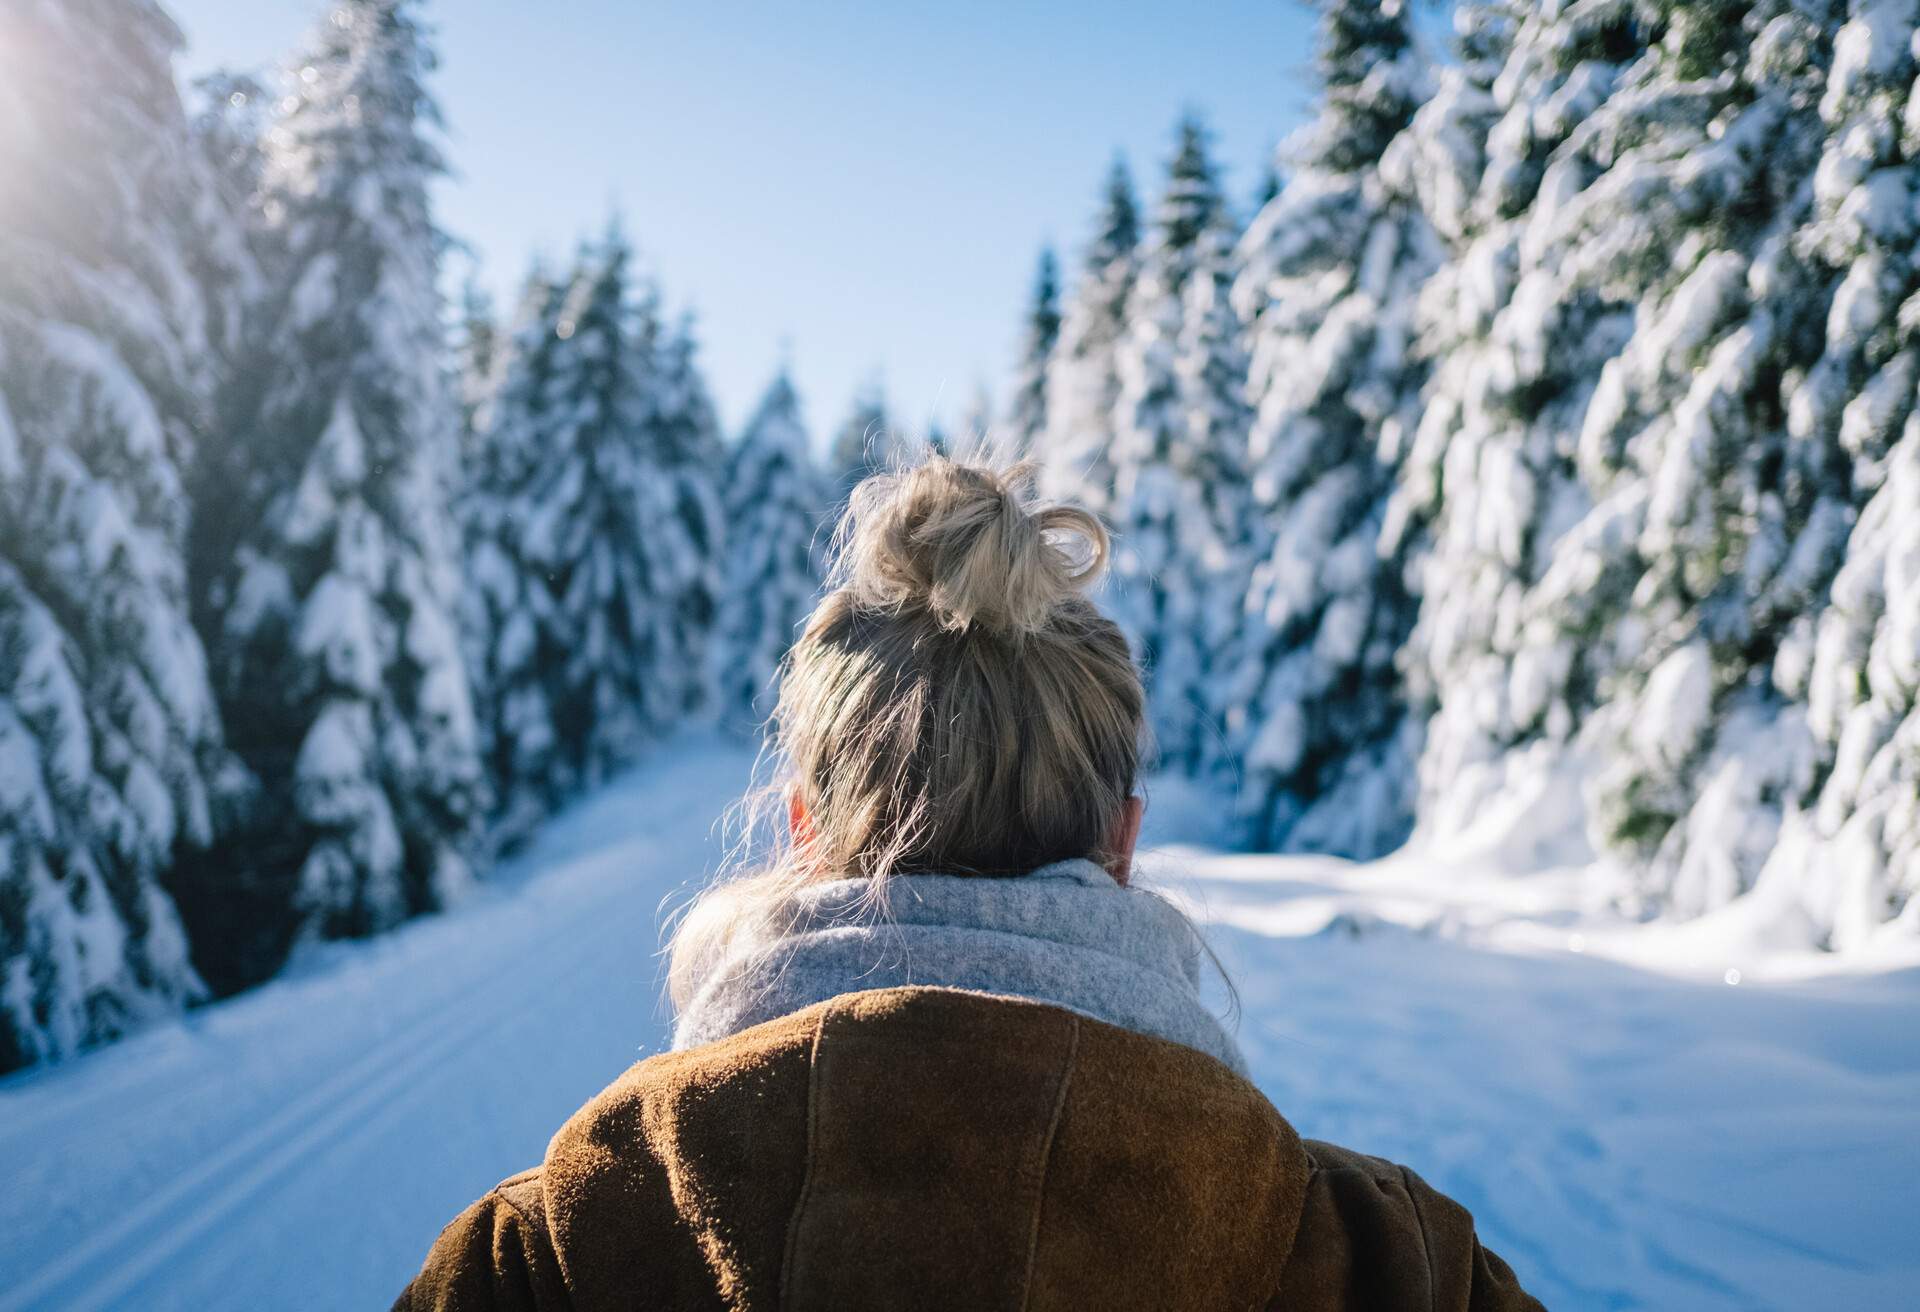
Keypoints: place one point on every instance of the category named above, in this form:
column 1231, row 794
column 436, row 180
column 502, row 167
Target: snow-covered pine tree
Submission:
column 593, row 532
column 1202, row 509
column 1027, row 408
column 1082, row 387
column 864, row 443
column 1179, row 442
column 1491, row 469
column 110, row 743
column 1849, row 856
column 1331, row 271
column 1728, row 525
column 689, row 541
column 336, row 651
column 777, row 502
column 228, row 129
column 506, row 609
column 1849, row 861
column 229, row 134
column 1445, row 151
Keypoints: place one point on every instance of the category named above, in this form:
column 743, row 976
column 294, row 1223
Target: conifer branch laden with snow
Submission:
column 1848, row 859
column 110, row 741
column 1738, row 528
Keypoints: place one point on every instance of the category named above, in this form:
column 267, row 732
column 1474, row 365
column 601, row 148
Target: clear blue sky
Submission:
column 868, row 182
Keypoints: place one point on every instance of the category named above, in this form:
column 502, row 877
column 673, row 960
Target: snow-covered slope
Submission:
column 1629, row 1136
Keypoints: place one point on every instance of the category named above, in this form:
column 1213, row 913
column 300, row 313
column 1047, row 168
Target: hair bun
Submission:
column 968, row 542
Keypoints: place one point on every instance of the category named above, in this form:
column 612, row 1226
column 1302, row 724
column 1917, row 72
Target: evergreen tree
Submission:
column 1849, row 857
column 1027, row 413
column 227, row 133
column 689, row 542
column 1630, row 514
column 1445, row 154
column 1180, row 432
column 1491, row 469
column 1736, row 523
column 336, row 652
column 508, row 619
column 1082, row 386
column 777, row 503
column 593, row 531
column 1848, row 861
column 1332, row 271
column 110, row 745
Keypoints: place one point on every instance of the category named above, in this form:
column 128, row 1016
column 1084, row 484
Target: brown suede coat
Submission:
column 932, row 1149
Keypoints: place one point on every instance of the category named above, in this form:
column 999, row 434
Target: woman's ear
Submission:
column 1123, row 837
column 799, row 823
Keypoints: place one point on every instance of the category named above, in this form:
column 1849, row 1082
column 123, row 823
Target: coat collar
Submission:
column 1065, row 934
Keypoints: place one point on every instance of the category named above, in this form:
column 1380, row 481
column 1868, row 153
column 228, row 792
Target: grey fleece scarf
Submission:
column 1064, row 934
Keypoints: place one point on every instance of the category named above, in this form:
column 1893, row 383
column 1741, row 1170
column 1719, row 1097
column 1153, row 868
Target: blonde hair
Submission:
column 955, row 704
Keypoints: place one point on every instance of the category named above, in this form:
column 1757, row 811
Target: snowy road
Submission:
column 299, row 1147
column 1629, row 1139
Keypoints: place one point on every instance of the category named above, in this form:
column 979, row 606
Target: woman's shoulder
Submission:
column 1372, row 1233
column 923, row 1147
column 498, row 1255
column 635, row 1179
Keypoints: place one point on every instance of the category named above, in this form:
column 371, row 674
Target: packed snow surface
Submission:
column 1631, row 1129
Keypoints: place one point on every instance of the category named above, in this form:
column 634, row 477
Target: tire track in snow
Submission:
column 112, row 1261
column 600, row 896
column 172, row 1086
column 163, row 1081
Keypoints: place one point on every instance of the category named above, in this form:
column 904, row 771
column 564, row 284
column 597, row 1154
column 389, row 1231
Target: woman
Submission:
column 941, row 1054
